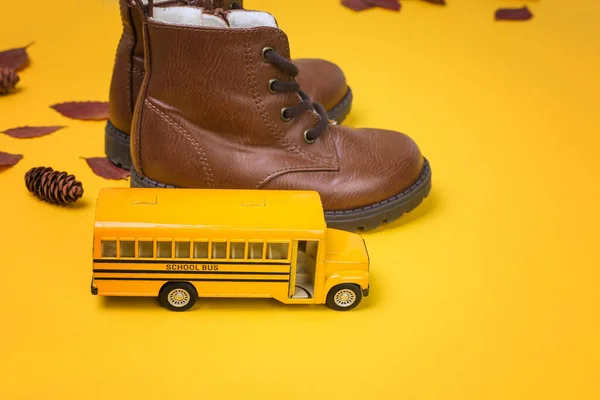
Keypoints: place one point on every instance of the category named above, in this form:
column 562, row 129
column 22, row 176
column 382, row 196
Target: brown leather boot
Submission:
column 220, row 108
column 323, row 80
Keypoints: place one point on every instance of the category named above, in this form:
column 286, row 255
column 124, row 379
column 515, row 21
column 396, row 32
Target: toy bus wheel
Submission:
column 178, row 296
column 344, row 297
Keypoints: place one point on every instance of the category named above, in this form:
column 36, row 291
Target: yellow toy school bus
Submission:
column 181, row 244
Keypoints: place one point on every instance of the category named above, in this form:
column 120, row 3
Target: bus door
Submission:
column 303, row 269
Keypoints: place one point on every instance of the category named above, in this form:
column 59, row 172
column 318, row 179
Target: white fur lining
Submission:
column 187, row 16
column 213, row 20
column 192, row 16
column 178, row 15
column 250, row 19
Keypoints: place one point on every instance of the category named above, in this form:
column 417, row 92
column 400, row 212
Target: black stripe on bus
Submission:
column 193, row 272
column 178, row 261
column 195, row 280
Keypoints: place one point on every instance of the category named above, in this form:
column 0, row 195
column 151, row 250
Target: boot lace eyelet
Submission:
column 271, row 83
column 264, row 52
column 307, row 139
column 283, row 112
column 285, row 65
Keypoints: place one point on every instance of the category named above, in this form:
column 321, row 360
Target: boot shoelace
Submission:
column 287, row 113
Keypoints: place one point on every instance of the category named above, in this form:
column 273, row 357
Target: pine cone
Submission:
column 54, row 187
column 8, row 79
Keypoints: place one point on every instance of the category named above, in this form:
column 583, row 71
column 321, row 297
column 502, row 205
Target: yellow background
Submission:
column 489, row 290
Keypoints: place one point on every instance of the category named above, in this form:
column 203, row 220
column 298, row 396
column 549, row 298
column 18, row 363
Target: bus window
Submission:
column 164, row 249
column 127, row 248
column 255, row 251
column 145, row 249
column 219, row 250
column 109, row 248
column 237, row 250
column 200, row 249
column 277, row 251
column 182, row 250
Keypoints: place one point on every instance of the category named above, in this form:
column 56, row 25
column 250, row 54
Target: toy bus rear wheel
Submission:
column 344, row 297
column 178, row 296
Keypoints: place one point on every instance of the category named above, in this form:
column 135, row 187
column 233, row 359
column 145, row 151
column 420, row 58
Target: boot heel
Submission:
column 117, row 147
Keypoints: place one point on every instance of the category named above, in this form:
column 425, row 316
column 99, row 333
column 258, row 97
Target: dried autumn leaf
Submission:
column 84, row 110
column 357, row 5
column 15, row 59
column 26, row 132
column 105, row 169
column 7, row 159
column 513, row 14
column 387, row 4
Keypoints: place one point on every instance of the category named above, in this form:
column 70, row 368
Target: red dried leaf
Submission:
column 513, row 14
column 387, row 4
column 105, row 169
column 16, row 59
column 26, row 132
column 85, row 110
column 357, row 5
column 7, row 159
column 438, row 2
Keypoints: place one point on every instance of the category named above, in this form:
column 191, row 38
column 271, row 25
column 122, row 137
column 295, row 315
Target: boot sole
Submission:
column 117, row 146
column 118, row 151
column 342, row 109
column 359, row 219
column 375, row 215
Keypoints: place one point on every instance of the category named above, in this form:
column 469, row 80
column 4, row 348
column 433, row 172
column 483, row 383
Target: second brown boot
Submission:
column 220, row 108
